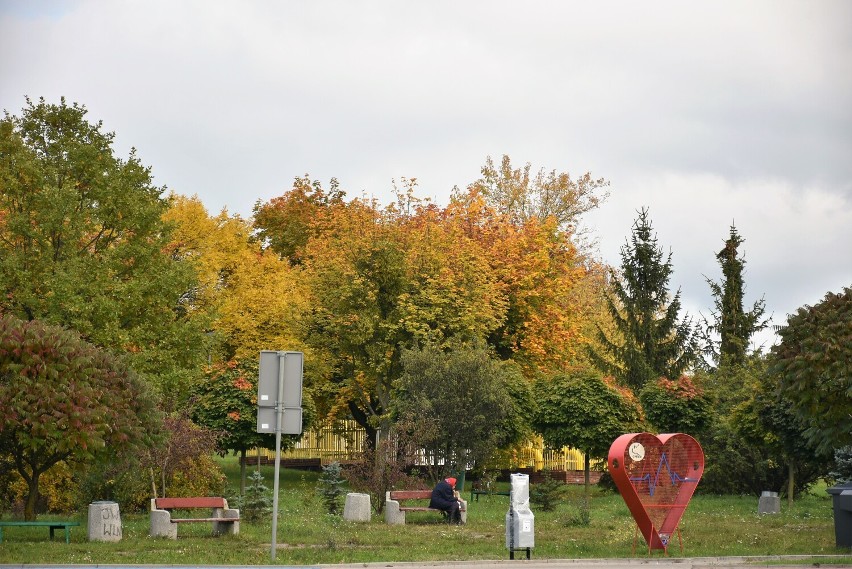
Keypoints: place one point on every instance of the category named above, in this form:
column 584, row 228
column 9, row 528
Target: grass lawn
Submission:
column 712, row 526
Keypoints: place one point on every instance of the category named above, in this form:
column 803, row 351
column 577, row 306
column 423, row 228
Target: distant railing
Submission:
column 346, row 440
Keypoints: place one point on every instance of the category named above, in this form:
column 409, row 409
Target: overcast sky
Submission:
column 707, row 113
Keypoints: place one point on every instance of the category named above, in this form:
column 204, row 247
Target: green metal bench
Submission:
column 53, row 525
column 479, row 493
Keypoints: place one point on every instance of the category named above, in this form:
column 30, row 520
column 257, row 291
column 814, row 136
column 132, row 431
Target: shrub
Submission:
column 383, row 469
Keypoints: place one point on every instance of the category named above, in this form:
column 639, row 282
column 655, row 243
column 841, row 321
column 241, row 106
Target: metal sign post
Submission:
column 280, row 374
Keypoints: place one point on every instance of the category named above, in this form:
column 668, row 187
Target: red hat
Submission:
column 452, row 482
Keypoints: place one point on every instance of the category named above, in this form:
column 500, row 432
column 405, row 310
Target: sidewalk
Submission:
column 776, row 562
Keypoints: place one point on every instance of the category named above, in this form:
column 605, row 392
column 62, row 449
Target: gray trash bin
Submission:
column 841, row 496
column 104, row 521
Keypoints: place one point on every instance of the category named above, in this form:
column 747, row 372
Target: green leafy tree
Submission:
column 83, row 243
column 734, row 325
column 463, row 393
column 585, row 411
column 648, row 341
column 65, row 400
column 677, row 406
column 765, row 420
column 225, row 401
column 813, row 366
column 755, row 442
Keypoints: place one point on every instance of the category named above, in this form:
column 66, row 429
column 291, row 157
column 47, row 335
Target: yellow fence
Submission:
column 345, row 440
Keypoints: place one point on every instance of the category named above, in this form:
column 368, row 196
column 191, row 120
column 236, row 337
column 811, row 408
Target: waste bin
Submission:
column 520, row 530
column 841, row 496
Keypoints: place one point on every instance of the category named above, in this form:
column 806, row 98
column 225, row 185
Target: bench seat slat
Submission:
column 222, row 520
column 181, row 503
column 411, row 494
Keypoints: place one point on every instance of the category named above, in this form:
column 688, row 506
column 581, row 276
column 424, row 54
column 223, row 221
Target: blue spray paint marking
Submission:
column 673, row 476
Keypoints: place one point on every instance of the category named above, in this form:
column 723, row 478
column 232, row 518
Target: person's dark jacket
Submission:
column 443, row 497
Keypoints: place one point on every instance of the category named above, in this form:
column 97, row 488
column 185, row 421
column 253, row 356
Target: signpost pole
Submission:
column 278, row 421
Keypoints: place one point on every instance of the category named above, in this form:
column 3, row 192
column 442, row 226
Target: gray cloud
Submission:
column 707, row 113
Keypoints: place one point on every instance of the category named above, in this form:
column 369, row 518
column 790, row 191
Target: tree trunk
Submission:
column 32, row 497
column 791, row 482
column 243, row 471
column 587, row 477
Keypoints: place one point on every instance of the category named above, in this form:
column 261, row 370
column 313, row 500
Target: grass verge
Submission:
column 712, row 526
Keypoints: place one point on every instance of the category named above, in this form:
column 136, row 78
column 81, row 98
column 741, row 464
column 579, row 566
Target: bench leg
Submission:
column 1, row 534
column 67, row 534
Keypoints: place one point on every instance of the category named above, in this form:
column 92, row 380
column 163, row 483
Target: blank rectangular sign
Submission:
column 291, row 423
column 267, row 384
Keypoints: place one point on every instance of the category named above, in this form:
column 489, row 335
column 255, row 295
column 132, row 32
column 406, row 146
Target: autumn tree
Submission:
column 83, row 243
column 586, row 411
column 64, row 399
column 731, row 321
column 522, row 196
column 813, row 368
column 381, row 280
column 287, row 222
column 252, row 299
column 649, row 341
column 539, row 272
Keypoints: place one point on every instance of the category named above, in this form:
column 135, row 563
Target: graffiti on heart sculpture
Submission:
column 656, row 476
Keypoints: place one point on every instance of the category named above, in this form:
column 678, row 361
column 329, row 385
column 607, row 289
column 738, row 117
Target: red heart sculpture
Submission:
column 657, row 477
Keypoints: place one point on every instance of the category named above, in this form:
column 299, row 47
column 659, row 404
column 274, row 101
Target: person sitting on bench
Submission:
column 445, row 498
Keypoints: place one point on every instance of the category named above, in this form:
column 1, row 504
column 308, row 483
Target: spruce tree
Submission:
column 649, row 340
column 731, row 322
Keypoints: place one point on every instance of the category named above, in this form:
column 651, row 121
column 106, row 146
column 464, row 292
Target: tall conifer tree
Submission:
column 731, row 322
column 650, row 341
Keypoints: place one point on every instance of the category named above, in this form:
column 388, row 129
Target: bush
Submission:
column 383, row 469
column 842, row 471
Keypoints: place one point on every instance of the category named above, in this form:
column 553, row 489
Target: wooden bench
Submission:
column 395, row 511
column 53, row 525
column 222, row 518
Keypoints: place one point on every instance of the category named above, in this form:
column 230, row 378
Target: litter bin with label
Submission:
column 520, row 522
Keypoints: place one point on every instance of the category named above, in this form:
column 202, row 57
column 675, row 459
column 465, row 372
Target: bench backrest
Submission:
column 410, row 494
column 181, row 503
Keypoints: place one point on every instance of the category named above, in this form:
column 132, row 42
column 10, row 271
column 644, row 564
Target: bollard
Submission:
column 357, row 507
column 104, row 521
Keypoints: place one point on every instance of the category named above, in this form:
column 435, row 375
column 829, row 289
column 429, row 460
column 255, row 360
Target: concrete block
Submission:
column 104, row 521
column 357, row 507
column 769, row 503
